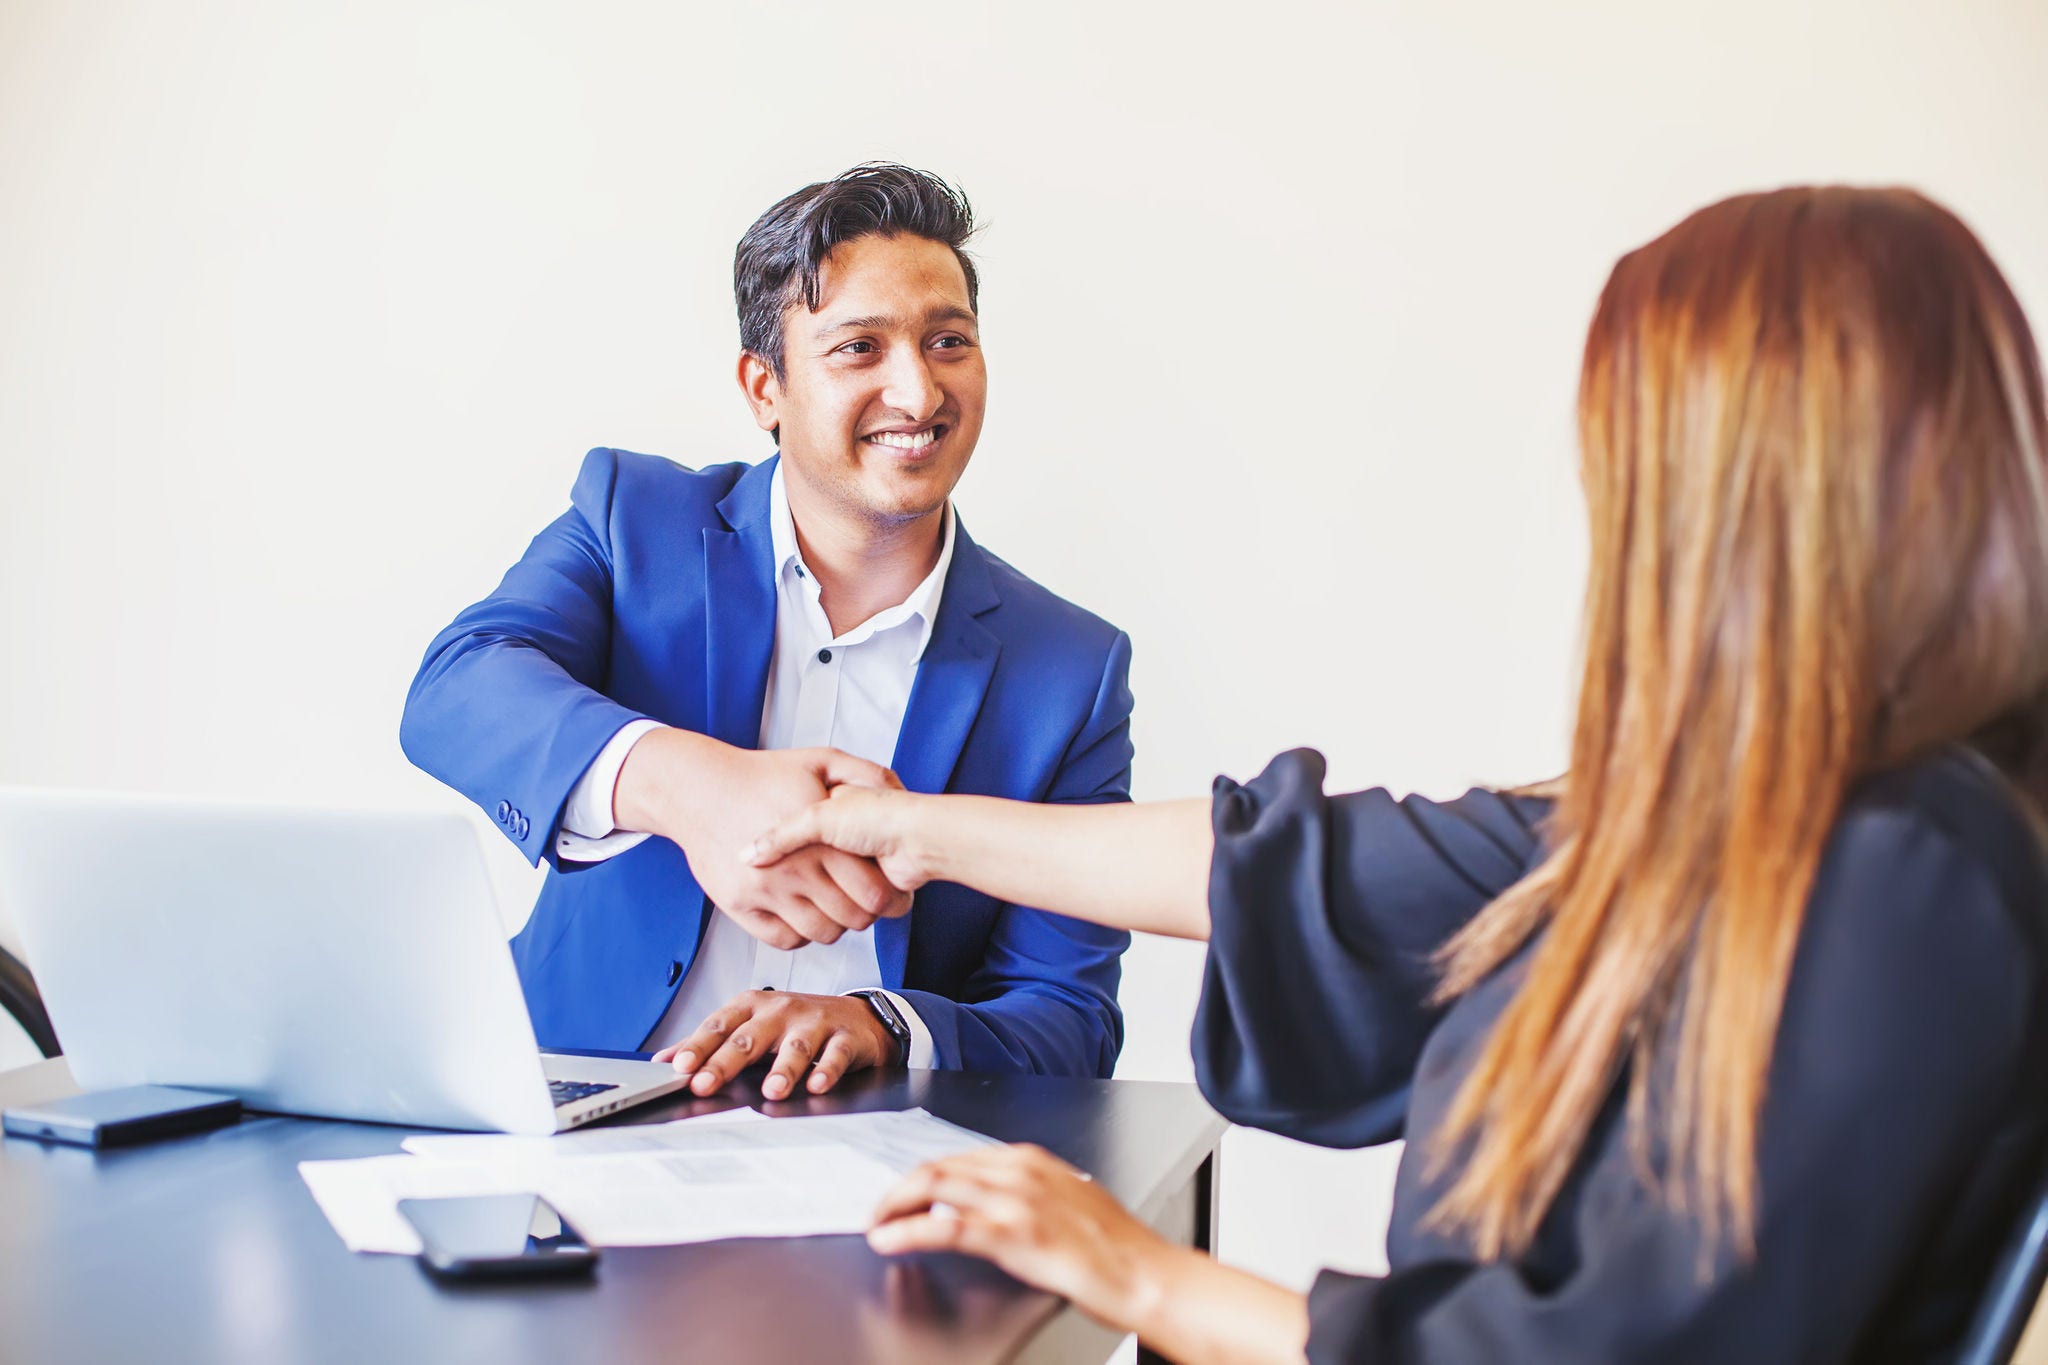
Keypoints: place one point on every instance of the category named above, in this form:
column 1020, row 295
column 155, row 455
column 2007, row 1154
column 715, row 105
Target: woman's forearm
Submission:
column 1127, row 866
column 1198, row 1310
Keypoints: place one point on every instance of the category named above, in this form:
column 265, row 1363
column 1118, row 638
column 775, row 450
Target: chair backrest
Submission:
column 19, row 997
column 2014, row 1287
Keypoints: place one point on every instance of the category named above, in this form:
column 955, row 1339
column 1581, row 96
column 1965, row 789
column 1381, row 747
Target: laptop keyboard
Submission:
column 568, row 1092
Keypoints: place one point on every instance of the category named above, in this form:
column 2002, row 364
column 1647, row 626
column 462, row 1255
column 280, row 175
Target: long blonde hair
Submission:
column 1811, row 429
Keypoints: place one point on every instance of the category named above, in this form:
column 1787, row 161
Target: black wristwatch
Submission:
column 892, row 1020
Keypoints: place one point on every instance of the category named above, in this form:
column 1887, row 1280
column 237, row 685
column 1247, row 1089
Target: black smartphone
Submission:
column 491, row 1235
column 133, row 1113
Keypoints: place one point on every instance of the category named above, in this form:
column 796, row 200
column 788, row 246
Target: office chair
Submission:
column 2015, row 1284
column 21, row 999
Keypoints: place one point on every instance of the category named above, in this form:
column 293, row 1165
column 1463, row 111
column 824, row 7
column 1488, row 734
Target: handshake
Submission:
column 756, row 829
column 788, row 869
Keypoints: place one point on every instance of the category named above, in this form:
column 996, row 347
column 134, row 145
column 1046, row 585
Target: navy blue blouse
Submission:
column 1906, row 1110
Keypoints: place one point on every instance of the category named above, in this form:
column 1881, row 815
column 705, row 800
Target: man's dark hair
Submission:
column 777, row 262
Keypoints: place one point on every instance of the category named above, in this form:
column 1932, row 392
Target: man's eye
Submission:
column 858, row 348
column 951, row 341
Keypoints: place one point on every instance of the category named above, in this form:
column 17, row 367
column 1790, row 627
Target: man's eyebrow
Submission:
column 882, row 322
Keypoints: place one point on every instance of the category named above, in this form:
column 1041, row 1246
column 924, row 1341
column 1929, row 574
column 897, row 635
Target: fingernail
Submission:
column 704, row 1083
column 819, row 1082
column 686, row 1062
column 774, row 1087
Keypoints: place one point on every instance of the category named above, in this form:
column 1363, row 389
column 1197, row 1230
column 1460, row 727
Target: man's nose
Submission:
column 911, row 388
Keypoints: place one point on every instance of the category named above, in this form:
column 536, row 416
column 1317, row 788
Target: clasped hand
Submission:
column 713, row 799
column 873, row 821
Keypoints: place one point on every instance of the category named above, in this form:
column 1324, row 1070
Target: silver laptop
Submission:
column 334, row 963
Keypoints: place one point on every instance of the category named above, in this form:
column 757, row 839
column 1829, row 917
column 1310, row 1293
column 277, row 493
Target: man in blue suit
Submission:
column 685, row 656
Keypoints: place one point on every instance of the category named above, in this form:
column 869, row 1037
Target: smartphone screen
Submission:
column 497, row 1234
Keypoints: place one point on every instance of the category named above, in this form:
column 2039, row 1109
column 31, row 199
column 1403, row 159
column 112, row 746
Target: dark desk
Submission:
column 209, row 1248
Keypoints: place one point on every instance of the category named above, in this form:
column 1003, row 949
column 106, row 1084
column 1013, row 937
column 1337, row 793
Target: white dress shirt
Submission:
column 847, row 692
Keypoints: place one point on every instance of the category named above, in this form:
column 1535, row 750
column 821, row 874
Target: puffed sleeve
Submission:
column 1898, row 1095
column 1324, row 914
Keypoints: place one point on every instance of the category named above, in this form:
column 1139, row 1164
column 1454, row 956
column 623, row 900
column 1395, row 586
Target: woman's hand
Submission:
column 1129, row 867
column 1039, row 1219
column 868, row 822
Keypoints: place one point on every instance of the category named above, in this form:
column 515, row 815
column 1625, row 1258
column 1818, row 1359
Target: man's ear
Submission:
column 762, row 389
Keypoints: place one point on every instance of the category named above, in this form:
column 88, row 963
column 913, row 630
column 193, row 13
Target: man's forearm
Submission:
column 1142, row 867
column 663, row 782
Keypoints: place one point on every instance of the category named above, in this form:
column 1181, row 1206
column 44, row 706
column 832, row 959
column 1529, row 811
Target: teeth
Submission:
column 915, row 440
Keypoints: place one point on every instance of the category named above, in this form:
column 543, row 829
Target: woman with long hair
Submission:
column 1722, row 1046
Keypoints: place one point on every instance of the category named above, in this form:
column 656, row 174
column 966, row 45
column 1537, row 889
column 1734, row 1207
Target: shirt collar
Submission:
column 921, row 606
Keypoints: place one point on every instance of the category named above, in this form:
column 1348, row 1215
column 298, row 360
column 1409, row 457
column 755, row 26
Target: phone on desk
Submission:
column 112, row 1118
column 493, row 1235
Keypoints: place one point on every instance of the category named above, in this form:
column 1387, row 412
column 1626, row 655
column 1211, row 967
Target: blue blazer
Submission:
column 654, row 596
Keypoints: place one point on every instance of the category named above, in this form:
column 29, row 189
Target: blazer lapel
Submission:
column 952, row 680
column 739, row 610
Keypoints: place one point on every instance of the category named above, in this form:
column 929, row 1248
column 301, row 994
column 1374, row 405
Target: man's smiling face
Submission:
column 880, row 400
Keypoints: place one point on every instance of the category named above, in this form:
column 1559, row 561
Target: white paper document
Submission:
column 501, row 1149
column 693, row 1180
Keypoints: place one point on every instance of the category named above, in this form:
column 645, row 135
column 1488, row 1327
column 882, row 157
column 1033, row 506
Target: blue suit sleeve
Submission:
column 508, row 706
column 1044, row 998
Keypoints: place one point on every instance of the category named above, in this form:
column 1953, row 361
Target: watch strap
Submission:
column 891, row 1019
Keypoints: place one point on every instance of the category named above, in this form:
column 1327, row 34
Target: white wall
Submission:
column 307, row 313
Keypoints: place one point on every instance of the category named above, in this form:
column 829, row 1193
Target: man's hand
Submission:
column 829, row 1035
column 711, row 799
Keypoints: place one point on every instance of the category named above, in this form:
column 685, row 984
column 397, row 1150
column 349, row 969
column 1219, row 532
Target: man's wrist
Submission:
column 589, row 814
column 889, row 1023
column 655, row 782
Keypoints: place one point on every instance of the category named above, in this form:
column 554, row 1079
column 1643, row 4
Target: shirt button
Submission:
column 824, row 656
column 800, row 571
